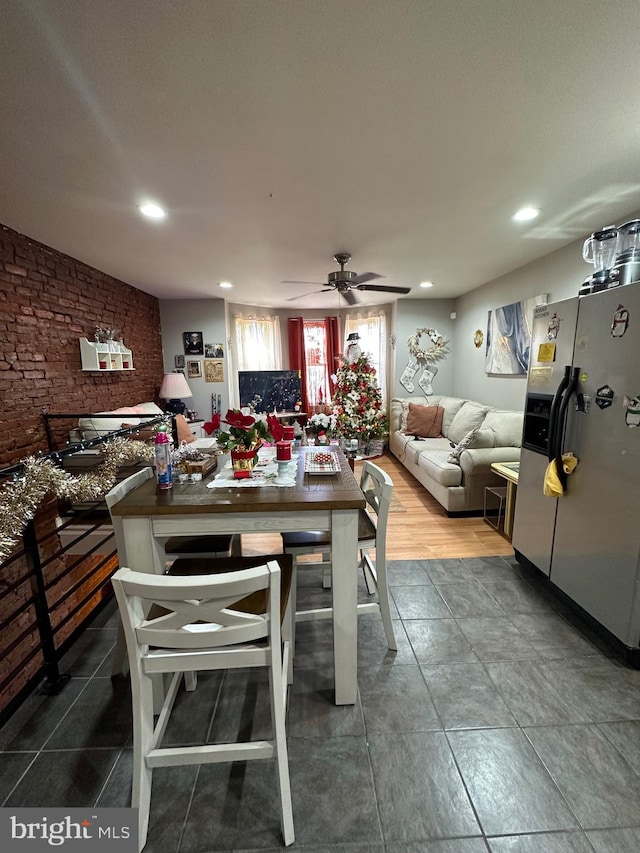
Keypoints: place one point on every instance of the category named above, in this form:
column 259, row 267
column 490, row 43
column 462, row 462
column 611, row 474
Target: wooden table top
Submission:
column 312, row 491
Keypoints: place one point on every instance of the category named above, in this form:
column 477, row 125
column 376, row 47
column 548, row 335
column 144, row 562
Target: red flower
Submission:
column 275, row 427
column 213, row 424
column 236, row 419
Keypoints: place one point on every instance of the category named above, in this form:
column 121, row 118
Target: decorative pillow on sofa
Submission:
column 184, row 431
column 424, row 421
column 473, row 439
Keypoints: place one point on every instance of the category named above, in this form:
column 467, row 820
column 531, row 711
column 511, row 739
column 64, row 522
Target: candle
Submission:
column 283, row 451
column 288, row 433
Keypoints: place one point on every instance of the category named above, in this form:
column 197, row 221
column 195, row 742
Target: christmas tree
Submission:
column 357, row 401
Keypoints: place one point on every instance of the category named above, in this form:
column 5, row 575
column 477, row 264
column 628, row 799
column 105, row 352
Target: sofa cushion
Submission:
column 435, row 464
column 506, row 427
column 451, row 406
column 424, row 421
column 469, row 417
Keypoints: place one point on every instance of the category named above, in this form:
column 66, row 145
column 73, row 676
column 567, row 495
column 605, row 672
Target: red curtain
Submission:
column 297, row 360
column 332, row 329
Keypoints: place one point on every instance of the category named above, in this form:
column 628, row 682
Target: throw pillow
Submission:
column 424, row 421
column 183, row 430
column 454, row 456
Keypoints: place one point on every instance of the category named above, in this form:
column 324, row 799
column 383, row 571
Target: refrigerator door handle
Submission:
column 552, row 444
column 562, row 418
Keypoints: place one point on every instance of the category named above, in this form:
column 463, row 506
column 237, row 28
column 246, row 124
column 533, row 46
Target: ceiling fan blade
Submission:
column 302, row 295
column 304, row 282
column 383, row 288
column 350, row 296
column 366, row 276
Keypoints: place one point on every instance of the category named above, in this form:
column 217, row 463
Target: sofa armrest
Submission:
column 480, row 459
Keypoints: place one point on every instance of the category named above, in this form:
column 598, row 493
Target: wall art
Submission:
column 194, row 369
column 193, row 344
column 509, row 337
column 213, row 370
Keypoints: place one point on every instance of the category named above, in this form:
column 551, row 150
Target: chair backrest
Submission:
column 116, row 494
column 193, row 611
column 377, row 487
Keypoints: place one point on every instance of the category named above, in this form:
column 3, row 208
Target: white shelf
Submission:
column 102, row 358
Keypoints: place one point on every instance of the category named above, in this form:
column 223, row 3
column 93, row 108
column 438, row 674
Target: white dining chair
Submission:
column 175, row 625
column 210, row 546
column 377, row 487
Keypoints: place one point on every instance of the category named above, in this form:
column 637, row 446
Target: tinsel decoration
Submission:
column 20, row 498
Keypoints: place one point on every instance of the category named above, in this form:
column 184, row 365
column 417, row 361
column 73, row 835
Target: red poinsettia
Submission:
column 275, row 428
column 213, row 425
column 245, row 431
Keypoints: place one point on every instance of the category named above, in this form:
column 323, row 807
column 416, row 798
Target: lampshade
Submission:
column 174, row 386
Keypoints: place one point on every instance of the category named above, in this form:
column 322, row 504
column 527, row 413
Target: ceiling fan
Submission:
column 346, row 281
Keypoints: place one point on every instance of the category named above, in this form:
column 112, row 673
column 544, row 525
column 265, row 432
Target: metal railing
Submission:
column 53, row 583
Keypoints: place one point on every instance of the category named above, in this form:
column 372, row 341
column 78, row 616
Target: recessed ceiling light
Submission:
column 526, row 214
column 152, row 211
column 426, row 284
column 225, row 284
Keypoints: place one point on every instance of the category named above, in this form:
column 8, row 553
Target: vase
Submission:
column 243, row 462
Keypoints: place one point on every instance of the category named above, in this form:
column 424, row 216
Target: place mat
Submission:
column 264, row 474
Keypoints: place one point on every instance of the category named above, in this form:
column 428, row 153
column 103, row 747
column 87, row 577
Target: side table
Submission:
column 508, row 470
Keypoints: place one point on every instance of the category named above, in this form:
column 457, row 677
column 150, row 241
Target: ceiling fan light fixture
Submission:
column 525, row 214
column 152, row 210
column 426, row 284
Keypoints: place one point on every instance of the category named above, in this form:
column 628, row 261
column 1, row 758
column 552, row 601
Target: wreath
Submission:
column 438, row 350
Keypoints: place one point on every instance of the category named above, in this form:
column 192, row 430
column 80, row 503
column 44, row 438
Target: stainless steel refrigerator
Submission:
column 583, row 396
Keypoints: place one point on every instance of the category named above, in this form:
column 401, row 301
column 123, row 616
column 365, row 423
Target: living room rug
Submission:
column 396, row 505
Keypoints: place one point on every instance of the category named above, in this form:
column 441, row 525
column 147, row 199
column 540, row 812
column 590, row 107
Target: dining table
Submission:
column 325, row 501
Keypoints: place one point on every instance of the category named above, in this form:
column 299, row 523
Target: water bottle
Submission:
column 164, row 474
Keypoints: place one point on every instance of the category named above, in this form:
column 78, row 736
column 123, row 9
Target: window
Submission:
column 258, row 343
column 373, row 342
column 317, row 375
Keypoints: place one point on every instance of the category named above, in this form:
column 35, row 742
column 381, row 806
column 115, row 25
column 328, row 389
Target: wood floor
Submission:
column 423, row 531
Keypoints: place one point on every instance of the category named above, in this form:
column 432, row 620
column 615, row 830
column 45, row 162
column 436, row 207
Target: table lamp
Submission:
column 173, row 387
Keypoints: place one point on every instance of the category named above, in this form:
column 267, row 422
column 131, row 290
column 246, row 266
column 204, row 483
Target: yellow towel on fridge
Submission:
column 552, row 486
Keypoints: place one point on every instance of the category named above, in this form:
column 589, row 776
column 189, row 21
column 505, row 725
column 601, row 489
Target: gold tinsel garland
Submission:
column 20, row 498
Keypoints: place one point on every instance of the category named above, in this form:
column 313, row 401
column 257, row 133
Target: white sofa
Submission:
column 460, row 488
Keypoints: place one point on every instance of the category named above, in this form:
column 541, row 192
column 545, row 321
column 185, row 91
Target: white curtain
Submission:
column 258, row 343
column 372, row 329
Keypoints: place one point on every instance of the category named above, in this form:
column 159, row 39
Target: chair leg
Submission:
column 276, row 687
column 236, row 545
column 385, row 602
column 369, row 577
column 119, row 658
column 326, row 572
column 142, row 740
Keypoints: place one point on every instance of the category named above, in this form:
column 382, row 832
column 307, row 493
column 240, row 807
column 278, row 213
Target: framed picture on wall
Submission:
column 214, row 351
column 213, row 370
column 194, row 369
column 193, row 343
column 179, row 360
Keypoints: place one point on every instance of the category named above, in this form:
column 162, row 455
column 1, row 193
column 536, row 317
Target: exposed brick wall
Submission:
column 47, row 302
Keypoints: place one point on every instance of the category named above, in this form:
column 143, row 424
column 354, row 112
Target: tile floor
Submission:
column 501, row 724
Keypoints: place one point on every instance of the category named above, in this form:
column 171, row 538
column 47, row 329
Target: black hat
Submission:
column 354, row 336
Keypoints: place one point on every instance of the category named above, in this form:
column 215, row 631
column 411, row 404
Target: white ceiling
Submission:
column 279, row 132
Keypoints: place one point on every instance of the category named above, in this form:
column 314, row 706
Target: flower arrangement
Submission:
column 321, row 423
column 247, row 432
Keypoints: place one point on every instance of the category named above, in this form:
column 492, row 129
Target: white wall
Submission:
column 412, row 314
column 559, row 274
column 196, row 315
